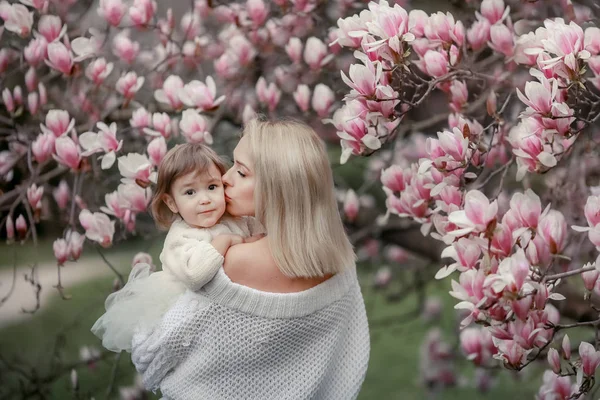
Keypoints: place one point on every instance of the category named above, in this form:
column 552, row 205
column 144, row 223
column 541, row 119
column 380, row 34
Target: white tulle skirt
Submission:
column 139, row 305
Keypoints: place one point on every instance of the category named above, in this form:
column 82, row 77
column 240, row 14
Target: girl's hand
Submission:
column 254, row 238
column 223, row 242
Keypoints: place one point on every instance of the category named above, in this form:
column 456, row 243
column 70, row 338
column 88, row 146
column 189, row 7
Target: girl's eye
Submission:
column 242, row 175
column 212, row 187
column 189, row 192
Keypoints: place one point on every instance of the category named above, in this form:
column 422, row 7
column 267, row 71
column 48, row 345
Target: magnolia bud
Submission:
column 21, row 227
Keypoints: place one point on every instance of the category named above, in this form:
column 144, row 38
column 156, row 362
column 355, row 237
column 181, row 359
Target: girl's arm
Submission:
column 193, row 256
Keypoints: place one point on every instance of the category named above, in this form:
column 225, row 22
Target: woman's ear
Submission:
column 168, row 200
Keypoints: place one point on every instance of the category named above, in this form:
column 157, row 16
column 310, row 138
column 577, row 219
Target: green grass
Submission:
column 393, row 370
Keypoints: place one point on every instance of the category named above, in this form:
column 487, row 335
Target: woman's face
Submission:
column 239, row 182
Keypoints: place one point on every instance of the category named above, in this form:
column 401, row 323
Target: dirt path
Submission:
column 23, row 295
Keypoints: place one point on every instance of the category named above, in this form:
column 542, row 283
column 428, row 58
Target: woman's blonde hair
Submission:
column 180, row 160
column 295, row 200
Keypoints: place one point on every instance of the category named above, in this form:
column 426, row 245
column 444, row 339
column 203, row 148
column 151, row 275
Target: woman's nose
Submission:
column 225, row 178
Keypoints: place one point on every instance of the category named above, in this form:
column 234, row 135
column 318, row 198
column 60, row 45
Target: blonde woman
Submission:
column 284, row 318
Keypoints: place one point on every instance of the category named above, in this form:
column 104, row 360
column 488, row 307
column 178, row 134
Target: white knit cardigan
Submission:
column 228, row 341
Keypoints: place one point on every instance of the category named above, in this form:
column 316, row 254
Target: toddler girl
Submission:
column 190, row 201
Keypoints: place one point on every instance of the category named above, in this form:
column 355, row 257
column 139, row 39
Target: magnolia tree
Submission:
column 480, row 125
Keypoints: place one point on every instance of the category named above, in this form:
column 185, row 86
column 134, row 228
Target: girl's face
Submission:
column 239, row 182
column 198, row 198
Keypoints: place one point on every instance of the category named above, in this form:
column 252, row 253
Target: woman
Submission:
column 284, row 318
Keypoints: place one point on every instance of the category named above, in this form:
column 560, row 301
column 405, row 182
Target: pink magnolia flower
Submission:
column 61, row 194
column 136, row 167
column 35, row 52
column 592, row 40
column 511, row 353
column 351, row 205
column 116, row 205
column 477, row 345
column 566, row 347
column 124, row 48
column 417, row 21
column 494, row 11
column 315, row 53
column 104, row 141
column 31, row 79
column 592, row 210
column 442, row 28
column 162, row 125
column 67, row 152
column 302, row 97
column 294, row 49
column 43, row 147
column 75, row 243
column 435, row 63
column 394, row 178
column 85, row 47
column 322, row 99
column 459, row 95
column 169, row 94
column 157, row 148
column 61, row 251
column 141, row 12
column 60, row 58
column 140, row 118
column 268, row 95
column 539, row 96
column 58, row 122
column 200, row 95
column 191, row 25
column 553, row 230
column 565, row 43
column 454, row 144
column 98, row 227
column 136, row 197
column 501, row 39
column 590, row 358
column 51, row 27
column 257, row 11
column 390, row 25
column 18, row 20
column 477, row 214
column 466, row 255
column 9, row 101
column 364, row 79
column 98, row 70
column 112, row 11
column 528, row 207
column 40, row 5
column 194, row 127
column 590, row 277
column 129, row 84
column 21, row 226
column 34, row 196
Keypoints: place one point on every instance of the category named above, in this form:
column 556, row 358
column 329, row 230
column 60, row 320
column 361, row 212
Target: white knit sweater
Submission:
column 188, row 255
column 228, row 341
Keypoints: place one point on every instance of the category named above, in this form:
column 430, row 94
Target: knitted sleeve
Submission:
column 188, row 254
column 157, row 352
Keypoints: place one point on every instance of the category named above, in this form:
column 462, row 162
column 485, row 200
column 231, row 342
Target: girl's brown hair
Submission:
column 180, row 160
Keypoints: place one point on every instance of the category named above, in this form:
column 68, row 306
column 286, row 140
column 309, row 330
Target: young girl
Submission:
column 189, row 201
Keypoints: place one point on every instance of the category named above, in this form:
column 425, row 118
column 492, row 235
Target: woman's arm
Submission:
column 157, row 352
